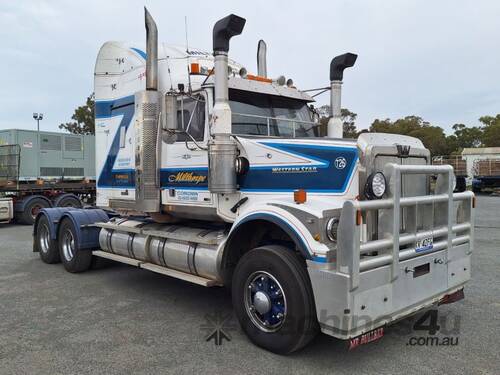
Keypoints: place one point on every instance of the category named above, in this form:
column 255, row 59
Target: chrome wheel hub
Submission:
column 261, row 302
column 68, row 245
column 265, row 301
column 44, row 239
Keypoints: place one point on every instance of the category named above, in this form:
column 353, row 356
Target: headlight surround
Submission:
column 332, row 226
column 375, row 186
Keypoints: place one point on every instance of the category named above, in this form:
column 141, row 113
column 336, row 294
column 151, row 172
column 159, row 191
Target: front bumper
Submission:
column 346, row 313
column 369, row 284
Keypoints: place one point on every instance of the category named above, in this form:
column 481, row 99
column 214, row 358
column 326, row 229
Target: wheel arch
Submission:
column 21, row 204
column 251, row 231
column 87, row 236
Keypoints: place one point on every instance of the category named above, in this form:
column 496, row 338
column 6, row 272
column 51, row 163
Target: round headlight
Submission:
column 331, row 229
column 375, row 186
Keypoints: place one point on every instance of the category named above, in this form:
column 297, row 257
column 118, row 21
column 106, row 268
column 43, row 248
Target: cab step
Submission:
column 158, row 269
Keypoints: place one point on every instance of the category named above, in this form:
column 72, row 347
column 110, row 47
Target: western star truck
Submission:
column 44, row 169
column 216, row 176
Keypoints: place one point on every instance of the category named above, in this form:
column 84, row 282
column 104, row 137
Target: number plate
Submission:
column 425, row 244
column 365, row 338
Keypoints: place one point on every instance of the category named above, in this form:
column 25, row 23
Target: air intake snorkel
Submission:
column 337, row 66
column 221, row 148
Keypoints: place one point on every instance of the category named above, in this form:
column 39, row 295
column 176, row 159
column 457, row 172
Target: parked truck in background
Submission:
column 219, row 177
column 486, row 175
column 44, row 169
column 459, row 167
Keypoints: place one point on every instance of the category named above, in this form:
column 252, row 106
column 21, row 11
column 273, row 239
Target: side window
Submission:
column 191, row 118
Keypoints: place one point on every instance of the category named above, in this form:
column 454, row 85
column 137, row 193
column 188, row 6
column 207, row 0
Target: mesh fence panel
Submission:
column 9, row 162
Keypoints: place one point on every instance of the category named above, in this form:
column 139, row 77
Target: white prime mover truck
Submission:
column 219, row 177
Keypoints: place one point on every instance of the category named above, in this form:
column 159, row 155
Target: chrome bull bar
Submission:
column 352, row 251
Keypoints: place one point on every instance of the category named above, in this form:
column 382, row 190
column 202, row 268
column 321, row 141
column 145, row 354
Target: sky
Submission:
column 437, row 59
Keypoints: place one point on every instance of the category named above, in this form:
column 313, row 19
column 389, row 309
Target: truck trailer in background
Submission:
column 44, row 169
column 486, row 175
column 459, row 167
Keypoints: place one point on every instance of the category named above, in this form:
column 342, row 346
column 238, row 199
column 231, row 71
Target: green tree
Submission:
column 491, row 130
column 83, row 119
column 349, row 123
column 432, row 137
column 467, row 136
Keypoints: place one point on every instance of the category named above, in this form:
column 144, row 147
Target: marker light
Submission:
column 300, row 196
column 375, row 186
column 195, row 68
column 259, row 78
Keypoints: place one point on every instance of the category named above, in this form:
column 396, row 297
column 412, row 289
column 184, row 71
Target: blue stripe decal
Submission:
column 330, row 172
column 140, row 52
column 109, row 108
column 319, row 259
column 123, row 107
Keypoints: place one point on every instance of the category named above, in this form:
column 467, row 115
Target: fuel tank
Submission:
column 192, row 250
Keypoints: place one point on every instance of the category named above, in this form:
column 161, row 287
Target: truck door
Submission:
column 184, row 169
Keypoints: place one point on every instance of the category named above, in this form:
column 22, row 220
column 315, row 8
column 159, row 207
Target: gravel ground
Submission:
column 118, row 319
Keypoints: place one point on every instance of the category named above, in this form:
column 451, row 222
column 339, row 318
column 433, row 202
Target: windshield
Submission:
column 269, row 115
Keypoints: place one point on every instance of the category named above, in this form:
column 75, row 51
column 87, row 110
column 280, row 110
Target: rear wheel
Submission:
column 31, row 210
column 47, row 247
column 69, row 201
column 74, row 259
column 273, row 299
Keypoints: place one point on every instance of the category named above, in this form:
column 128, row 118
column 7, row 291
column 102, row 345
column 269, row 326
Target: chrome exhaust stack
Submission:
column 337, row 66
column 222, row 148
column 147, row 108
column 261, row 59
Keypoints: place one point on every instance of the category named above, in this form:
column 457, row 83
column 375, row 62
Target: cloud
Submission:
column 434, row 59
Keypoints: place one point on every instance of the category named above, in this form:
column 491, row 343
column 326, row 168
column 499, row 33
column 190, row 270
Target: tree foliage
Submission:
column 434, row 138
column 83, row 119
column 491, row 130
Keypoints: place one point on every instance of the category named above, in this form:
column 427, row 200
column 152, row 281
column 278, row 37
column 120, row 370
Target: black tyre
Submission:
column 273, row 299
column 69, row 201
column 31, row 210
column 47, row 247
column 73, row 259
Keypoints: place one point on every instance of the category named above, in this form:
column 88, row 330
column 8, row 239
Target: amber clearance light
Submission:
column 300, row 196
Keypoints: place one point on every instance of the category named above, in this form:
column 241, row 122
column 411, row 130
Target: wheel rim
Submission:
column 44, row 238
column 68, row 245
column 265, row 301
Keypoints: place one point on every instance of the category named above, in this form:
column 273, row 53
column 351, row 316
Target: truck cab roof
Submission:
column 120, row 71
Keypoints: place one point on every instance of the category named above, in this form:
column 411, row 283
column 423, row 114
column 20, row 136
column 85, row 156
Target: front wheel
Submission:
column 273, row 299
column 73, row 258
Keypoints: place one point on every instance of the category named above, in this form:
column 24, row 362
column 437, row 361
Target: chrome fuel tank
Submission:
column 192, row 250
